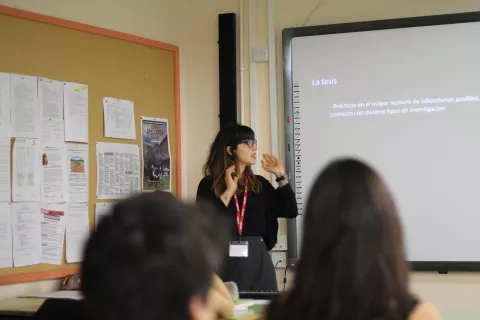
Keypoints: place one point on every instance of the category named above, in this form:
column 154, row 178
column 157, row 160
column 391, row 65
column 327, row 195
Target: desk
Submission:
column 20, row 307
column 26, row 307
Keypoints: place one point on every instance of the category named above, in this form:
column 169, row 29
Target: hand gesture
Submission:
column 231, row 182
column 271, row 164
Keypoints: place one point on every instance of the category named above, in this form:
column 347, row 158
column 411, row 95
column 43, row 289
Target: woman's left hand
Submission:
column 271, row 164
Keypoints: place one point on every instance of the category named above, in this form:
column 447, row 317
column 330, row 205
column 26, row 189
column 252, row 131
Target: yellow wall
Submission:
column 192, row 24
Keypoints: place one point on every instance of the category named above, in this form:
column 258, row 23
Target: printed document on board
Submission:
column 102, row 210
column 26, row 176
column 6, row 258
column 119, row 119
column 27, row 240
column 53, row 130
column 78, row 231
column 54, row 173
column 25, row 109
column 53, row 232
column 118, row 170
column 50, row 97
column 5, row 105
column 77, row 163
column 5, row 189
column 76, row 112
column 156, row 155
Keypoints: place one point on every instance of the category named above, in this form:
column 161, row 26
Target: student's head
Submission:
column 352, row 263
column 152, row 258
column 234, row 144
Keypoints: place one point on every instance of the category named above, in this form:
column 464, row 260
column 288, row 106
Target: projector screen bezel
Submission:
column 288, row 35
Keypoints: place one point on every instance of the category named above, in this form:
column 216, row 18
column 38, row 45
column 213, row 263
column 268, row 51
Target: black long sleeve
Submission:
column 263, row 208
column 205, row 193
column 282, row 200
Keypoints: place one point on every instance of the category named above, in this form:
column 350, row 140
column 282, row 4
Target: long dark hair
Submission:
column 219, row 160
column 353, row 263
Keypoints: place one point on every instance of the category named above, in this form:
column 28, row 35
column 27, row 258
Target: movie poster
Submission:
column 156, row 158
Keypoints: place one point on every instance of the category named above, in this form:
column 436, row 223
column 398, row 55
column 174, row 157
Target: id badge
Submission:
column 238, row 249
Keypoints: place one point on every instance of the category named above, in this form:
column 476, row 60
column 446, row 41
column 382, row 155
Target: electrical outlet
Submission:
column 279, row 259
column 260, row 54
column 281, row 243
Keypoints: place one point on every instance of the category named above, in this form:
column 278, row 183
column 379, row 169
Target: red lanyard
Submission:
column 241, row 215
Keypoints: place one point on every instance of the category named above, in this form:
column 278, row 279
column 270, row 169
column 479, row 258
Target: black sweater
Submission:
column 263, row 209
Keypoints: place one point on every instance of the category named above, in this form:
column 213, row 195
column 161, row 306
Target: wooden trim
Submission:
column 37, row 276
column 178, row 124
column 85, row 28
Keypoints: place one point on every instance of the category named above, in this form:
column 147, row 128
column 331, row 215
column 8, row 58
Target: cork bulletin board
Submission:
column 112, row 64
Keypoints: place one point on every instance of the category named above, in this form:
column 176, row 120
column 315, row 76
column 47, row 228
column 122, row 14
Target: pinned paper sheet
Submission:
column 27, row 240
column 54, row 173
column 50, row 96
column 76, row 112
column 156, row 157
column 26, row 177
column 6, row 257
column 118, row 170
column 5, row 189
column 119, row 120
column 77, row 171
column 53, row 130
column 102, row 210
column 5, row 105
column 78, row 231
column 25, row 109
column 53, row 232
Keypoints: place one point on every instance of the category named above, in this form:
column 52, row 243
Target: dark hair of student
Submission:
column 219, row 160
column 352, row 263
column 150, row 257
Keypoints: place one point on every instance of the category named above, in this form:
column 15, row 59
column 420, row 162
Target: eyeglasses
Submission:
column 250, row 143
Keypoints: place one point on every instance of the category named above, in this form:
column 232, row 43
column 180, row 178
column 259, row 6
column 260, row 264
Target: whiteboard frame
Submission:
column 288, row 34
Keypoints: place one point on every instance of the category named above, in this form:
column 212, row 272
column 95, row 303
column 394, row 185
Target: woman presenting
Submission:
column 251, row 204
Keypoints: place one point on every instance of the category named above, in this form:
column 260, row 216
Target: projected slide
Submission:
column 407, row 101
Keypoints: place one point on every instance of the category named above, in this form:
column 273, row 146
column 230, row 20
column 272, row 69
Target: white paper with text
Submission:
column 25, row 109
column 26, row 177
column 77, row 170
column 76, row 112
column 26, row 230
column 6, row 257
column 102, row 210
column 53, row 232
column 119, row 119
column 5, row 105
column 118, row 170
column 78, row 231
column 54, row 174
column 53, row 130
column 5, row 186
column 50, row 97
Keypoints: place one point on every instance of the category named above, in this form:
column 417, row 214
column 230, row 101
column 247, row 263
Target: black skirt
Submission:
column 256, row 272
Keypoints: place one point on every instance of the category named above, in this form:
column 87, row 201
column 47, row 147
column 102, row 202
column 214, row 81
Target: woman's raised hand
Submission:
column 231, row 182
column 271, row 164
